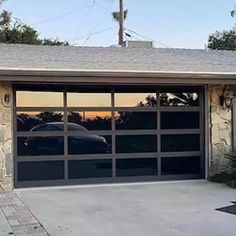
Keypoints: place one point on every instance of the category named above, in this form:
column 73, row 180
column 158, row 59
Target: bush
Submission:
column 222, row 177
column 226, row 178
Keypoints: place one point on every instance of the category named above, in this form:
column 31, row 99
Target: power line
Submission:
column 93, row 33
column 66, row 14
column 145, row 37
column 99, row 20
column 86, row 17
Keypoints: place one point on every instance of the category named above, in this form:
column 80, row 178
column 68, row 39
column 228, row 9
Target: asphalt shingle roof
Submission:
column 119, row 59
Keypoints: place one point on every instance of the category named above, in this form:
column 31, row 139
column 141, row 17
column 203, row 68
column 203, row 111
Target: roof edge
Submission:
column 114, row 73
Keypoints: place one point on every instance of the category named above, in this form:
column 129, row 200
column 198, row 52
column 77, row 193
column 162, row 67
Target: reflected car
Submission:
column 79, row 143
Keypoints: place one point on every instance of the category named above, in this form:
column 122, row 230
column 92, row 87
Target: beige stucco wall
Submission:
column 220, row 130
column 6, row 134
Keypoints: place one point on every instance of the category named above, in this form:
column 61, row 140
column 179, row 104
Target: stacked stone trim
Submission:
column 6, row 134
column 220, row 130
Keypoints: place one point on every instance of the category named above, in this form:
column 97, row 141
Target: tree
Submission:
column 225, row 40
column 5, row 16
column 233, row 13
column 19, row 33
column 116, row 15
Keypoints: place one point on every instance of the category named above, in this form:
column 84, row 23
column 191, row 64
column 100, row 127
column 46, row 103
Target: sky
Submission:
column 170, row 23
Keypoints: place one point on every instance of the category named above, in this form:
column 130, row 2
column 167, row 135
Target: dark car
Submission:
column 80, row 141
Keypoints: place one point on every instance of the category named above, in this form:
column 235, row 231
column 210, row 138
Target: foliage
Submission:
column 222, row 177
column 232, row 156
column 116, row 15
column 5, row 16
column 233, row 13
column 225, row 40
column 19, row 33
column 228, row 177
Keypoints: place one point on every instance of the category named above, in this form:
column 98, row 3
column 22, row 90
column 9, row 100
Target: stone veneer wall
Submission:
column 220, row 130
column 6, row 134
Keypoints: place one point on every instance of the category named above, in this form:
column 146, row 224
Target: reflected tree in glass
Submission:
column 138, row 120
column 151, row 101
column 50, row 117
column 97, row 121
column 179, row 99
column 27, row 121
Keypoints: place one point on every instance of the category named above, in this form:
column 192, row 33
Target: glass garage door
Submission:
column 89, row 135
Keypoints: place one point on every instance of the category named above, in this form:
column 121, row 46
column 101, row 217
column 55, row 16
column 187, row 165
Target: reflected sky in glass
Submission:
column 135, row 99
column 39, row 99
column 89, row 100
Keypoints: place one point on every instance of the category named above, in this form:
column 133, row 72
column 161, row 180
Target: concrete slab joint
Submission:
column 6, row 143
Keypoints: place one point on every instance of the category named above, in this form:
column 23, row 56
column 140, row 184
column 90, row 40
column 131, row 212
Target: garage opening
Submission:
column 81, row 134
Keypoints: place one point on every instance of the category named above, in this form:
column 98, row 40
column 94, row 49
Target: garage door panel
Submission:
column 78, row 169
column 135, row 120
column 44, row 170
column 180, row 142
column 89, row 144
column 180, row 120
column 180, row 165
column 90, row 120
column 108, row 134
column 136, row 143
column 40, row 146
column 136, row 167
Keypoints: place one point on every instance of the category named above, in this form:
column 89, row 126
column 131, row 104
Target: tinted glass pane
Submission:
column 45, row 170
column 135, row 99
column 90, row 169
column 88, row 99
column 91, row 120
column 180, row 165
column 40, row 146
column 89, row 144
column 40, row 121
column 136, row 143
column 136, row 167
column 136, row 120
column 39, row 99
column 179, row 120
column 179, row 99
column 180, row 142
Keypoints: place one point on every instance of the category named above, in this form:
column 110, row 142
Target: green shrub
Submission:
column 222, row 177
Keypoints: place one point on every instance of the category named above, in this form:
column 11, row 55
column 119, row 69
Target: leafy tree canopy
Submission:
column 5, row 16
column 16, row 32
column 19, row 33
column 116, row 15
column 225, row 40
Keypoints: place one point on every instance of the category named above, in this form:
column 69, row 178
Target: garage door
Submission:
column 76, row 134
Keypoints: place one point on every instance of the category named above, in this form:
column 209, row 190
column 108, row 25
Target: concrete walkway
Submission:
column 165, row 209
column 16, row 218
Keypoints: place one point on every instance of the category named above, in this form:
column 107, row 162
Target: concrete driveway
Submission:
column 153, row 209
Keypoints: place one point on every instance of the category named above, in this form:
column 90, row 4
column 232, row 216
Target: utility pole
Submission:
column 121, row 23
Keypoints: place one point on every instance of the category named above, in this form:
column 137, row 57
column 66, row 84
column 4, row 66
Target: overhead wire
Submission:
column 148, row 38
column 85, row 17
column 99, row 20
column 66, row 14
column 94, row 33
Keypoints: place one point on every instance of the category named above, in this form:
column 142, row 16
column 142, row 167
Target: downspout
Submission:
column 208, row 129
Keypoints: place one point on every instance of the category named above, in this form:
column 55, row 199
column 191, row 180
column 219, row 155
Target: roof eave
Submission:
column 72, row 75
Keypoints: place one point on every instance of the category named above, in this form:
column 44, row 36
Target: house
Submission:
column 75, row 115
